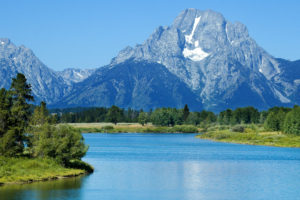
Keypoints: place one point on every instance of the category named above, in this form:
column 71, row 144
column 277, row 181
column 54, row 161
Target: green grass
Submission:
column 25, row 170
column 254, row 135
column 132, row 128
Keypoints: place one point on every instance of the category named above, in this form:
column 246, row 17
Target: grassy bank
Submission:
column 248, row 134
column 253, row 135
column 132, row 128
column 25, row 170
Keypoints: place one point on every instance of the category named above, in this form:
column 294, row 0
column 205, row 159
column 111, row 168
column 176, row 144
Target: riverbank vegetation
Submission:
column 30, row 141
column 250, row 134
column 277, row 126
column 132, row 128
column 26, row 170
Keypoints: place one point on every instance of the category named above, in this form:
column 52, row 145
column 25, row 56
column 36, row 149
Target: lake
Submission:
column 170, row 167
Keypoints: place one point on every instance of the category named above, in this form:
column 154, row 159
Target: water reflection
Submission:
column 56, row 189
column 172, row 166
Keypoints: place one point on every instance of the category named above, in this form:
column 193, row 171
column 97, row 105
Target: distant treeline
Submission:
column 275, row 119
column 95, row 114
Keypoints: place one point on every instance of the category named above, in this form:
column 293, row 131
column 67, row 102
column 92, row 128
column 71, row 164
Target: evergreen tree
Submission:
column 186, row 112
column 5, row 104
column 21, row 95
column 12, row 141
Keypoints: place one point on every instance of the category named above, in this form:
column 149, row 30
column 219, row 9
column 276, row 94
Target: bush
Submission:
column 185, row 129
column 78, row 164
column 63, row 143
column 238, row 128
column 108, row 127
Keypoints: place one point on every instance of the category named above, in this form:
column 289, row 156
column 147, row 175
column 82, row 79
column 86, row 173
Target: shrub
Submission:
column 185, row 129
column 108, row 127
column 238, row 128
column 63, row 143
column 78, row 164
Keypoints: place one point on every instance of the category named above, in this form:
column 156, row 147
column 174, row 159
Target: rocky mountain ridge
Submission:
column 46, row 84
column 201, row 59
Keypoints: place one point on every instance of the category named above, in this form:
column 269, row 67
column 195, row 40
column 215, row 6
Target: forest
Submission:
column 282, row 119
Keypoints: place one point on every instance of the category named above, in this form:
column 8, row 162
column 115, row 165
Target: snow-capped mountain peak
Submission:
column 212, row 56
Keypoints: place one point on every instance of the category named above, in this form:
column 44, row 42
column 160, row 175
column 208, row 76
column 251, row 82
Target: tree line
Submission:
column 34, row 134
column 33, row 131
column 282, row 119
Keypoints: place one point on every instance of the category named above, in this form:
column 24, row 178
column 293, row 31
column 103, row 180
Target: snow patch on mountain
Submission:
column 297, row 81
column 196, row 54
column 73, row 75
column 189, row 38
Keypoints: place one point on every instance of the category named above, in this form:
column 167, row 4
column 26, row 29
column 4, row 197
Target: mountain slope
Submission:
column 201, row 59
column 75, row 75
column 217, row 59
column 46, row 84
column 132, row 84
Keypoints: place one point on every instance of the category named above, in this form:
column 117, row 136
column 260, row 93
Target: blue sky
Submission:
column 88, row 33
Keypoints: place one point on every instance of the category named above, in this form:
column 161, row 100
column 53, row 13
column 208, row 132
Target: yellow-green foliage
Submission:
column 136, row 128
column 62, row 142
column 253, row 136
column 185, row 129
column 19, row 170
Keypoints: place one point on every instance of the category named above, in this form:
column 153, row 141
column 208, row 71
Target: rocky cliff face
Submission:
column 135, row 84
column 46, row 84
column 217, row 59
column 201, row 59
column 75, row 75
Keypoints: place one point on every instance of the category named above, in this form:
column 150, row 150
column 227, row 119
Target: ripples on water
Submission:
column 173, row 166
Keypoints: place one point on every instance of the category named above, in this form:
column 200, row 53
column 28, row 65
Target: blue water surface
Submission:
column 173, row 166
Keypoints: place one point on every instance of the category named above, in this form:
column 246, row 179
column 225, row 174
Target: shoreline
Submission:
column 132, row 128
column 46, row 179
column 30, row 170
column 268, row 139
column 252, row 134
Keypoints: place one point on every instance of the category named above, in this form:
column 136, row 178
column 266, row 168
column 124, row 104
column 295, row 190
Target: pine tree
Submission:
column 13, row 140
column 5, row 104
column 186, row 112
column 21, row 94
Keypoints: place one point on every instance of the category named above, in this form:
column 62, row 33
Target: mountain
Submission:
column 218, row 61
column 201, row 60
column 132, row 84
column 75, row 75
column 46, row 84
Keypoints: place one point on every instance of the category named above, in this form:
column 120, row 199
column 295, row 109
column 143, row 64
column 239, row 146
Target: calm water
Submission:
column 173, row 166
